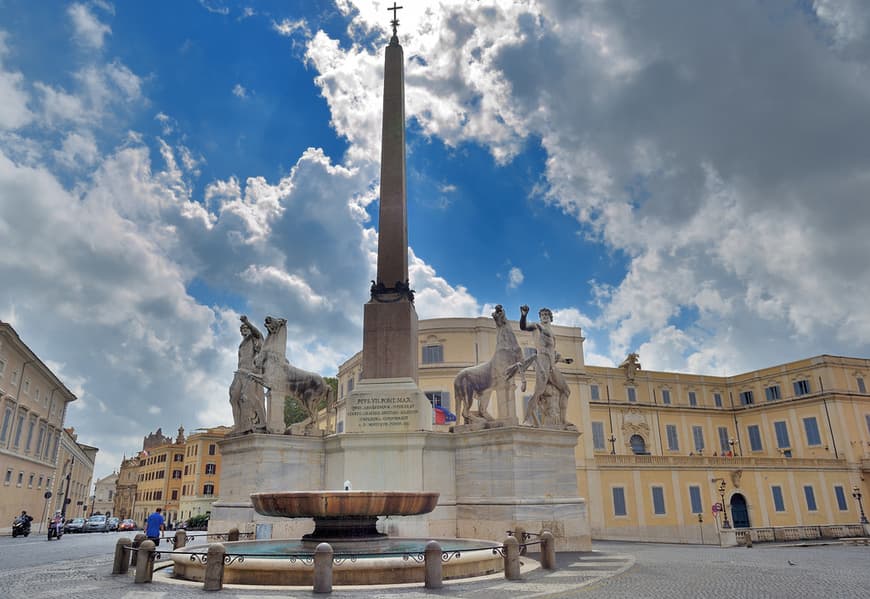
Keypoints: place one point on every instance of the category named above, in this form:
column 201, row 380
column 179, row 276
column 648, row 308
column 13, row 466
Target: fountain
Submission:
column 347, row 521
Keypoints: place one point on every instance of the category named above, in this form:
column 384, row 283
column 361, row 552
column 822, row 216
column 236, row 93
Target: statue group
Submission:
column 263, row 364
column 549, row 402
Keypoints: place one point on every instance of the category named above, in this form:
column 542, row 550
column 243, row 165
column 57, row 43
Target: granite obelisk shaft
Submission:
column 390, row 320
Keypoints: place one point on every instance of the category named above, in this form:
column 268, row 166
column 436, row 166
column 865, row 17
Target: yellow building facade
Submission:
column 33, row 404
column 158, row 480
column 783, row 451
column 202, row 466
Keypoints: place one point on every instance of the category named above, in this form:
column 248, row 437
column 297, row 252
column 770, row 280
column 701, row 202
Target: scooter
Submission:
column 20, row 526
column 55, row 530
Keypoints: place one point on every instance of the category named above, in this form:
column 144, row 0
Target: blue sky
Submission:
column 686, row 180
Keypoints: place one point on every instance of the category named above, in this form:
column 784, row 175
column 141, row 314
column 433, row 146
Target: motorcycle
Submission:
column 55, row 529
column 20, row 526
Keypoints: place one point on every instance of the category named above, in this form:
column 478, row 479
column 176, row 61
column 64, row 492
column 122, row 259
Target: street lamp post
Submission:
column 856, row 493
column 722, row 486
column 612, row 440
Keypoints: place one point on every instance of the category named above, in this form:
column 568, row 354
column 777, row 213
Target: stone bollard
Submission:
column 134, row 555
column 323, row 568
column 512, row 558
column 122, row 556
column 145, row 561
column 548, row 550
column 214, row 568
column 520, row 534
column 180, row 539
column 748, row 540
column 432, row 569
column 233, row 534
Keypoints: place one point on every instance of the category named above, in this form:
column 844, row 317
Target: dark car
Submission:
column 112, row 523
column 74, row 525
column 96, row 523
column 127, row 524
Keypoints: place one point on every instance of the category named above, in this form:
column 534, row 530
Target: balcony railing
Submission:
column 779, row 534
column 720, row 461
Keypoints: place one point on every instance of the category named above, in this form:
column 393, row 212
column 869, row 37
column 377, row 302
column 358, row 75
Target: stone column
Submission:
column 323, row 568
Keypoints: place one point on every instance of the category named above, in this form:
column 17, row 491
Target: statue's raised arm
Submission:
column 524, row 312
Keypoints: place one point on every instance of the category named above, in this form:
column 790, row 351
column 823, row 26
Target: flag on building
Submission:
column 442, row 415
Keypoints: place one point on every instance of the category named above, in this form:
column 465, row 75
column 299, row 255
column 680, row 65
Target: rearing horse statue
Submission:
column 478, row 381
column 282, row 379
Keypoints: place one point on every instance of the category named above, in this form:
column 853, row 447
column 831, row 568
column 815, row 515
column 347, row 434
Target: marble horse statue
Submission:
column 283, row 379
column 478, row 381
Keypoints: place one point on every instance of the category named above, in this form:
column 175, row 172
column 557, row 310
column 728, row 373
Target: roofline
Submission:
column 6, row 327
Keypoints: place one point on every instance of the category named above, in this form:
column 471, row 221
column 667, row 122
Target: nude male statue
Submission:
column 545, row 366
column 246, row 395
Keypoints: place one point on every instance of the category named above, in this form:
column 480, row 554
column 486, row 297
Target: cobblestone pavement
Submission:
column 613, row 570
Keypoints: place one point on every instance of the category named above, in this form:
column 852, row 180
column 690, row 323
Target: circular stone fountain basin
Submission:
column 289, row 562
column 342, row 515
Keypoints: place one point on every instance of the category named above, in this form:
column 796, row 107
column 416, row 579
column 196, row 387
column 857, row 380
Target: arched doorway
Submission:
column 739, row 511
column 638, row 445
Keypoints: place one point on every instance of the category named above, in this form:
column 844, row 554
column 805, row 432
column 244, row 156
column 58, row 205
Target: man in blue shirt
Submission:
column 154, row 526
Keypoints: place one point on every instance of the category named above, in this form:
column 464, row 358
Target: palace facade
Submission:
column 780, row 451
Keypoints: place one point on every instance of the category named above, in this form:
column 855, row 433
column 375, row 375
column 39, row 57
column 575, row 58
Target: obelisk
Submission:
column 388, row 398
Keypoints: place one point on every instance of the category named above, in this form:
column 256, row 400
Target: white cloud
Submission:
column 515, row 277
column 14, row 112
column 78, row 149
column 288, row 27
column 239, row 91
column 89, row 31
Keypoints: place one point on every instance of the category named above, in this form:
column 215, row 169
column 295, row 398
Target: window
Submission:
column 778, row 503
column 210, row 468
column 781, row 429
column 39, row 484
column 754, row 437
column 439, row 398
column 7, row 418
column 695, row 500
column 811, row 498
column 632, row 394
column 185, row 470
column 350, row 385
column 178, row 457
column 8, row 478
column 801, row 388
column 433, row 354
column 39, row 439
column 212, row 449
column 666, row 396
column 20, row 478
column 698, row 436
column 593, row 389
column 619, row 501
column 673, row 440
column 867, row 418
column 27, row 386
column 658, row 497
column 638, row 445
column 36, row 395
column 861, row 387
column 158, row 495
column 208, row 489
column 772, row 393
column 811, row 427
column 340, row 427
column 176, row 474
column 693, row 399
column 30, row 480
column 724, row 447
column 598, row 436
column 841, row 498
column 174, row 494
column 717, row 399
column 31, row 425
column 14, row 377
column 746, row 398
column 19, row 429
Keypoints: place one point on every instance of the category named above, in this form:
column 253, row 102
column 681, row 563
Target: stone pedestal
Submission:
column 727, row 537
column 520, row 476
column 387, row 405
column 260, row 462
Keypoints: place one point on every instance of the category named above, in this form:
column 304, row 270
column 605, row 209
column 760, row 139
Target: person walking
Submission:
column 154, row 526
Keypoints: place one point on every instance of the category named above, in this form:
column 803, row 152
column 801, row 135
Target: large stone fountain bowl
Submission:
column 332, row 504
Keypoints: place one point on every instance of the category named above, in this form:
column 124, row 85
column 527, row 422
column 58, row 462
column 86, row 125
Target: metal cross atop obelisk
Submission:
column 390, row 321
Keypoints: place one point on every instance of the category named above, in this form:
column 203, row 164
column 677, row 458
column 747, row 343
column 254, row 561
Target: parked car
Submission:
column 127, row 524
column 97, row 523
column 112, row 523
column 74, row 525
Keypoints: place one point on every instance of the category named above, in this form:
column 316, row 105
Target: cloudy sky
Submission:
column 683, row 179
